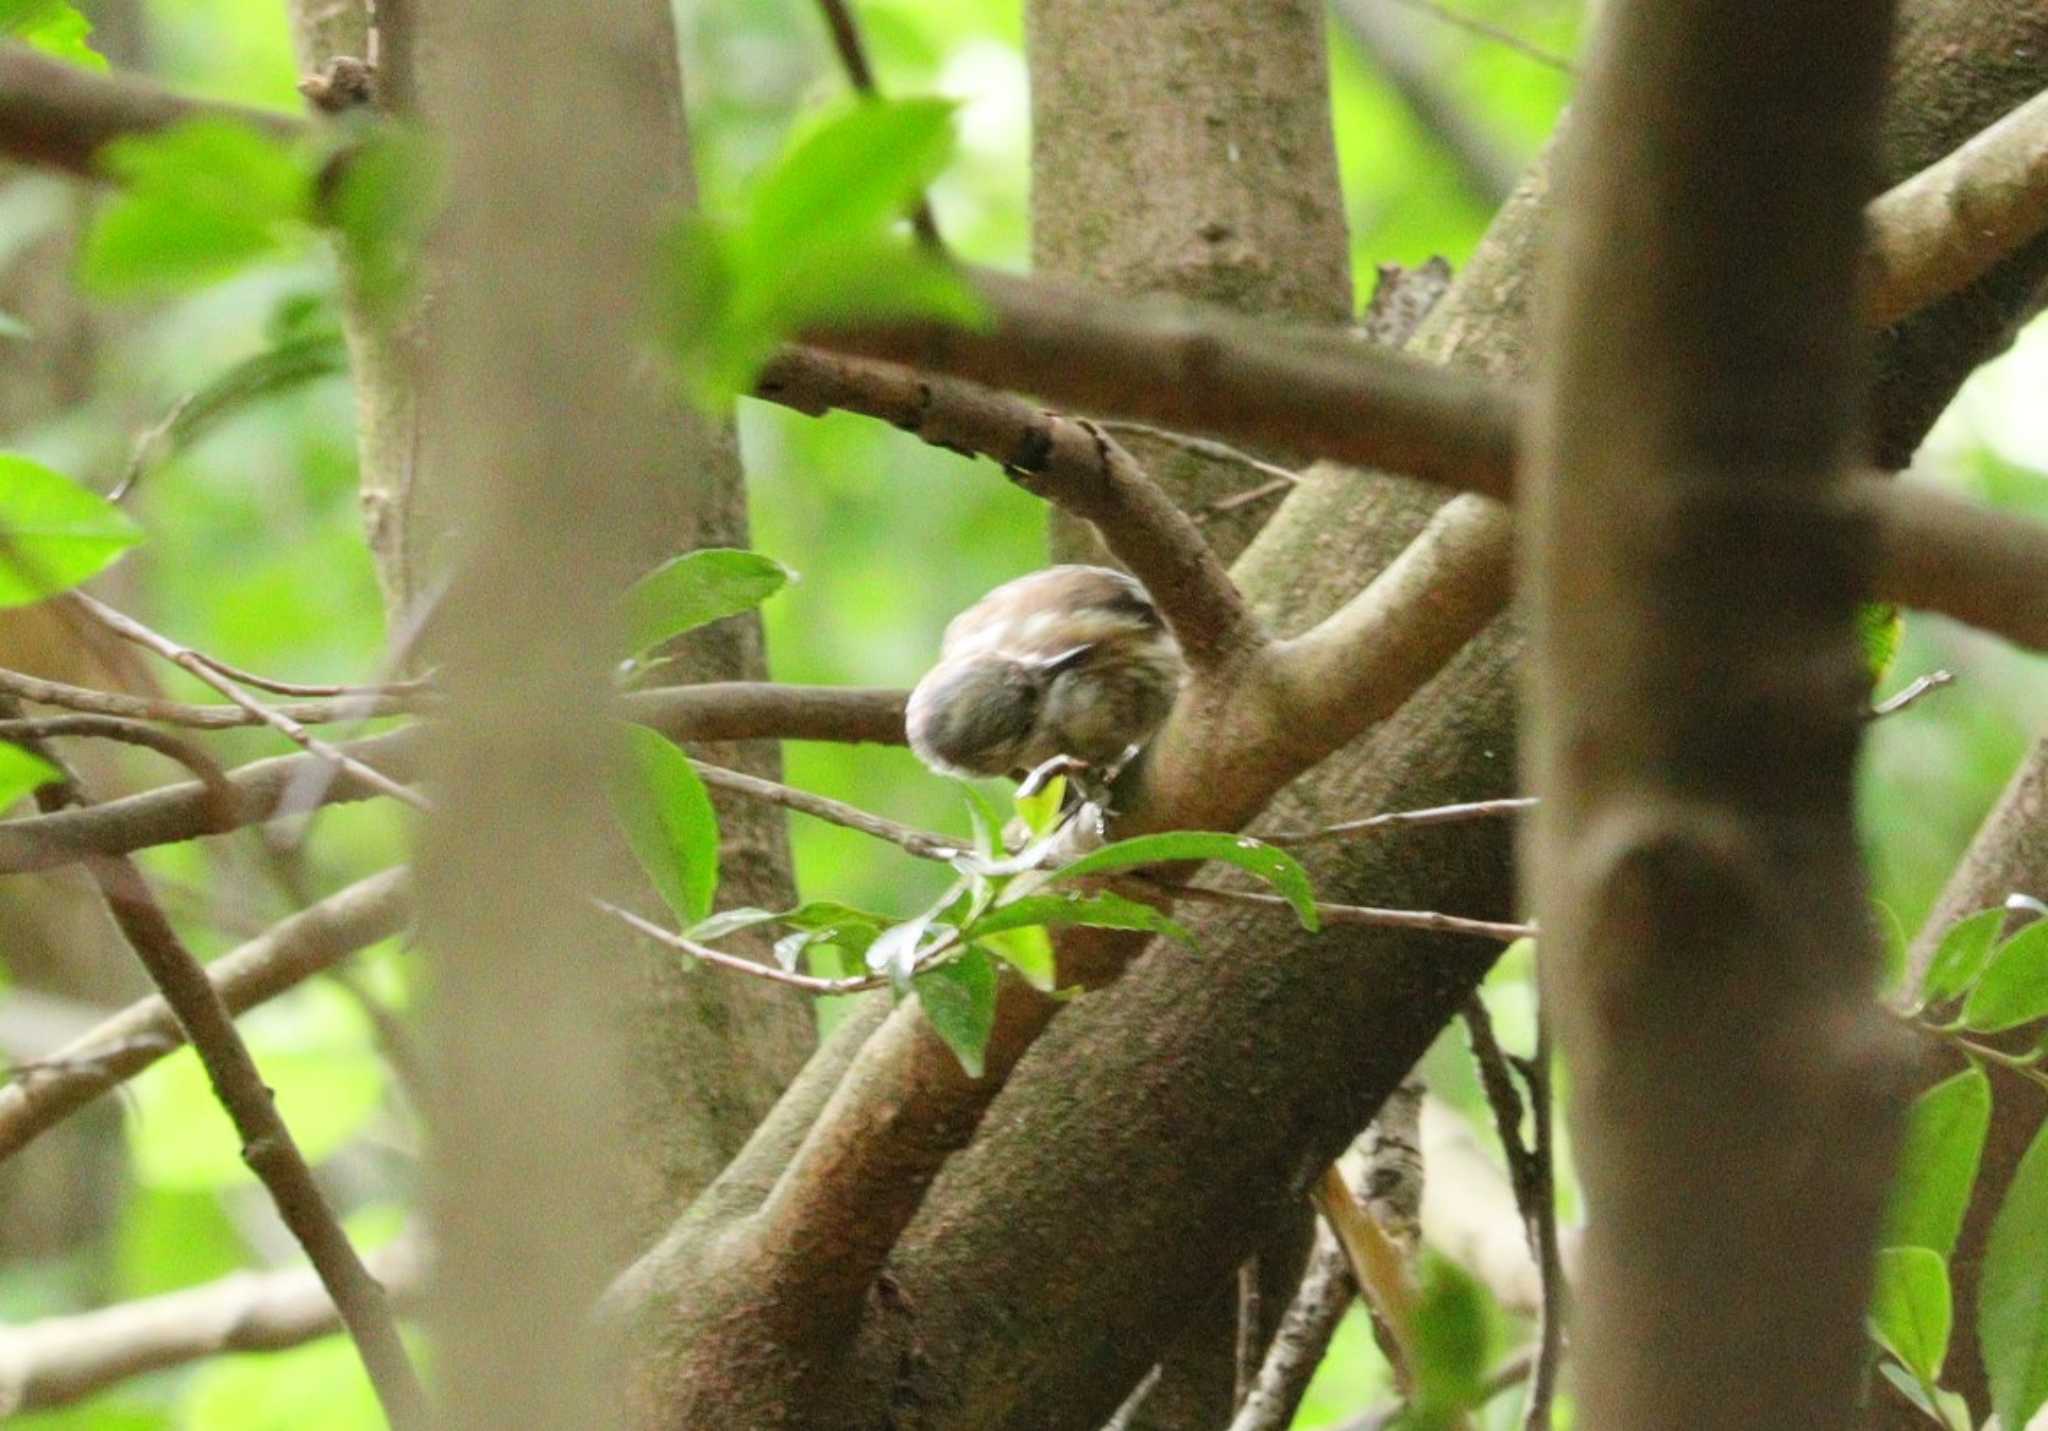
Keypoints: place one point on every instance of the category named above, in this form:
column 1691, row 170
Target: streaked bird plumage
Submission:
column 1071, row 661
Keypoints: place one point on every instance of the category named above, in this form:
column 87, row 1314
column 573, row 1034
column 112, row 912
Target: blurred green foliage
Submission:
column 254, row 552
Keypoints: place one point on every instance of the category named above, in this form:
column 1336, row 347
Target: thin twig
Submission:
column 267, row 1144
column 1511, row 1373
column 1207, row 447
column 853, row 56
column 201, row 717
column 49, row 1090
column 922, row 843
column 1920, row 686
column 1250, row 1327
column 1382, row 1276
column 201, row 763
column 1403, row 819
column 1488, row 31
column 1302, row 1338
column 738, row 964
column 1426, row 920
column 1541, row 1218
column 1224, row 506
column 209, row 671
column 1127, row 1414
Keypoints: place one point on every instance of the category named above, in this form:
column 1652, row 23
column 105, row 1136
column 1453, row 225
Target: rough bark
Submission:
column 1197, row 162
column 1219, row 1083
column 1696, row 700
column 1186, row 149
column 707, row 1057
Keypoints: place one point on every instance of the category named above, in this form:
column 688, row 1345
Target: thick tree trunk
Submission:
column 1697, row 697
column 707, row 1057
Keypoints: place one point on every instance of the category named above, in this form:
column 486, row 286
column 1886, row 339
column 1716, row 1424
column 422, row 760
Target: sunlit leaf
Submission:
column 1041, row 810
column 22, row 771
column 959, row 997
column 1879, row 626
column 319, row 1386
column 695, row 589
column 855, row 172
column 198, row 201
column 1103, row 911
column 2012, row 1292
column 1275, row 866
column 1909, row 1308
column 57, row 29
column 1964, row 950
column 1938, row 1163
column 2014, row 986
column 667, row 816
column 53, row 532
column 1028, row 951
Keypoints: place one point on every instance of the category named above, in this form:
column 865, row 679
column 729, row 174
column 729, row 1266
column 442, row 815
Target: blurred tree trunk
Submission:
column 1697, row 698
column 707, row 1057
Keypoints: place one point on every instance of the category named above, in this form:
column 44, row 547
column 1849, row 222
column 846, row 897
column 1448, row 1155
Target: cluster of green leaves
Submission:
column 814, row 240
column 55, row 28
column 1994, row 987
column 997, row 910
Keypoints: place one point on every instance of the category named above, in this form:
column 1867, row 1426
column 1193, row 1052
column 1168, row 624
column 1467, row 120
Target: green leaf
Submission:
column 289, row 365
column 864, row 279
column 695, row 589
column 199, row 201
column 1909, row 1309
column 1029, row 952
column 857, row 171
column 1879, row 627
column 383, row 205
column 1102, row 911
column 666, row 812
column 57, row 29
column 53, row 532
column 1041, row 811
column 1450, row 1342
column 1953, row 1412
column 2012, row 1292
column 1894, row 945
column 1276, row 867
column 1961, row 956
column 2014, row 989
column 959, row 997
column 21, row 772
column 1938, row 1163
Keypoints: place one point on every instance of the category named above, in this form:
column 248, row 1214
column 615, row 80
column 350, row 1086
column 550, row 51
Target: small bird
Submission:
column 1071, row 665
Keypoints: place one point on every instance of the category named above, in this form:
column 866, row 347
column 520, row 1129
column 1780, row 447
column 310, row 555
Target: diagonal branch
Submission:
column 52, row 1088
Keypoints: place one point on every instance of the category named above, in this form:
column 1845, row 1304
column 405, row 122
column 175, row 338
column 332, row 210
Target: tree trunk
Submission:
column 707, row 1057
column 1696, row 704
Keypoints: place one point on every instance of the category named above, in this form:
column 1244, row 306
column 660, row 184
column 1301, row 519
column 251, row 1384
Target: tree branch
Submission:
column 65, row 1359
column 52, row 1088
column 267, row 1144
column 718, row 711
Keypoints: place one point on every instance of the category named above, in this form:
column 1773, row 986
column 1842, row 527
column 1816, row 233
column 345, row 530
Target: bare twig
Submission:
column 203, row 766
column 922, row 843
column 1488, row 31
column 267, row 1144
column 1250, row 1322
column 1486, row 165
column 1540, row 1215
column 1127, row 1414
column 1210, row 448
column 65, row 1359
column 317, row 938
column 1918, row 687
column 1423, row 919
column 201, row 717
column 739, row 964
column 209, row 670
column 1382, row 1274
column 741, row 710
column 1403, row 819
column 1302, row 1338
column 853, row 56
